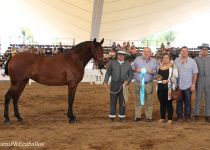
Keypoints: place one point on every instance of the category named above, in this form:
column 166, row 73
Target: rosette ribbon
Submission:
column 142, row 87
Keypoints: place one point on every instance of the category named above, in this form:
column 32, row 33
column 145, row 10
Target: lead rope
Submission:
column 125, row 93
column 115, row 92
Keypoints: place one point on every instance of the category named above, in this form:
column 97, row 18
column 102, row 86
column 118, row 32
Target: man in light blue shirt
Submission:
column 188, row 70
column 150, row 64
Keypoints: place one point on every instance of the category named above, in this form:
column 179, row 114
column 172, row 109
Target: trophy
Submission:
column 159, row 78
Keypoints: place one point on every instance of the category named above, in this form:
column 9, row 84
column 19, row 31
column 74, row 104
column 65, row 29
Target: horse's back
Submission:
column 19, row 65
column 47, row 70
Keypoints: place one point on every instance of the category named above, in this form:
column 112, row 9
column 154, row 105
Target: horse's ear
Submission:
column 102, row 41
column 94, row 40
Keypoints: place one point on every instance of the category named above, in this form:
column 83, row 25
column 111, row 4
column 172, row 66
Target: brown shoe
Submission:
column 137, row 119
column 188, row 118
column 122, row 120
column 196, row 118
column 161, row 120
column 111, row 120
column 149, row 120
column 179, row 119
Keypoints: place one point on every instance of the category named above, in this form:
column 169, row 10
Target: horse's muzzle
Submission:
column 100, row 64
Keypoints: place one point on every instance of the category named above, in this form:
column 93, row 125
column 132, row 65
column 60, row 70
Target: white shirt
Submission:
column 120, row 62
column 167, row 46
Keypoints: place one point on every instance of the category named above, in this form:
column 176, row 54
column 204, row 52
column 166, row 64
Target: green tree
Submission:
column 147, row 41
column 169, row 36
column 26, row 35
column 158, row 38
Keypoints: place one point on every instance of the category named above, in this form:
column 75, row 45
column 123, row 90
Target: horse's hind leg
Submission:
column 14, row 92
column 16, row 95
column 6, row 106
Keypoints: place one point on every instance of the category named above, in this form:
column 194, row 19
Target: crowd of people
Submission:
column 45, row 50
column 134, row 51
column 189, row 74
column 39, row 49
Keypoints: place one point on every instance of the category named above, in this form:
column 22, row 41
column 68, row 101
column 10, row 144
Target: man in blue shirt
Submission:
column 188, row 70
column 139, row 64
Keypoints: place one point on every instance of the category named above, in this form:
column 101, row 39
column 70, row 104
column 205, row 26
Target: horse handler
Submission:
column 121, row 74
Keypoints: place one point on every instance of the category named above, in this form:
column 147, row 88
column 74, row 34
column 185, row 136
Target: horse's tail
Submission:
column 6, row 66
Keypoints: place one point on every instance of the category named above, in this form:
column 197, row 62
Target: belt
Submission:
column 144, row 82
column 147, row 82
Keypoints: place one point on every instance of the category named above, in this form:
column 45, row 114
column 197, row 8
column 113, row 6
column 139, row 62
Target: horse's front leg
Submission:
column 71, row 95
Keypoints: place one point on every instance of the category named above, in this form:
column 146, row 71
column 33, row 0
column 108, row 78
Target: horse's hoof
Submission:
column 20, row 119
column 7, row 121
column 72, row 121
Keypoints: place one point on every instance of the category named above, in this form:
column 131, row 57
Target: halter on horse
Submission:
column 63, row 69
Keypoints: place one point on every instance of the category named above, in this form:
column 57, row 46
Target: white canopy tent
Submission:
column 109, row 19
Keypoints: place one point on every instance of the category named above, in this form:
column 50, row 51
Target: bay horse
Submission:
column 62, row 69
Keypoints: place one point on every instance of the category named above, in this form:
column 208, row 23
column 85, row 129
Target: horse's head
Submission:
column 98, row 53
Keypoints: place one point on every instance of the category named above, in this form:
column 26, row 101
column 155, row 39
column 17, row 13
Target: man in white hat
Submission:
column 121, row 73
column 203, row 83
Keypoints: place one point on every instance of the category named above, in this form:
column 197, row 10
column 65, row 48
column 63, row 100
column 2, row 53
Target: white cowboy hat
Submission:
column 122, row 52
column 204, row 45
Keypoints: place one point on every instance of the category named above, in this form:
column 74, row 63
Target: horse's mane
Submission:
column 79, row 46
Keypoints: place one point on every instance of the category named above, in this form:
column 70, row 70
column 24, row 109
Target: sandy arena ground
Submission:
column 44, row 110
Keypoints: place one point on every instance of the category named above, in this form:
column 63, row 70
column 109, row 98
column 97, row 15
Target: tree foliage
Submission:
column 157, row 39
column 169, row 36
column 26, row 35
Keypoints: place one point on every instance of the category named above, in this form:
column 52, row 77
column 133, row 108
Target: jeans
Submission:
column 186, row 100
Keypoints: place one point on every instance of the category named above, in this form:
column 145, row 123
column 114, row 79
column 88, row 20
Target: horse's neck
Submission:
column 84, row 55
